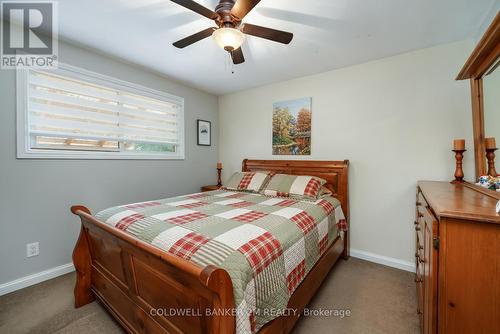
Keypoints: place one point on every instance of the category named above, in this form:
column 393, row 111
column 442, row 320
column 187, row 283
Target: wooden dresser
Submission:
column 457, row 258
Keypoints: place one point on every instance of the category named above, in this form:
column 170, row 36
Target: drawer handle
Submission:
column 420, row 214
column 418, row 280
column 420, row 247
column 419, row 312
column 419, row 204
column 415, row 222
column 417, row 228
column 421, row 260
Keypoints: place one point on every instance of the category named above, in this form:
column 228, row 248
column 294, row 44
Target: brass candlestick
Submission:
column 459, row 172
column 219, row 179
column 490, row 155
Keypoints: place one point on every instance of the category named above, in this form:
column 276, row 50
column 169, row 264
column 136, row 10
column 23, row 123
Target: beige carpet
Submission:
column 380, row 300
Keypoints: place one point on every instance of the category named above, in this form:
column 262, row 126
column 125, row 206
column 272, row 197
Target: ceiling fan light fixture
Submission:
column 228, row 39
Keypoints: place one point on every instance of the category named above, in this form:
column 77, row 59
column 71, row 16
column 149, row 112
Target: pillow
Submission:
column 324, row 192
column 247, row 181
column 298, row 186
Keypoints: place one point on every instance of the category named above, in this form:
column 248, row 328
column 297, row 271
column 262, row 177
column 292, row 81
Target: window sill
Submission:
column 86, row 155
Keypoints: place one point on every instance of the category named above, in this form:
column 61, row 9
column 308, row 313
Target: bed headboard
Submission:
column 334, row 172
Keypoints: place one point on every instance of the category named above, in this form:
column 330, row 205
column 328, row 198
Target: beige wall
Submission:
column 394, row 119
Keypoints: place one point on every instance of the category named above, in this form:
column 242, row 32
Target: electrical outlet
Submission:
column 32, row 249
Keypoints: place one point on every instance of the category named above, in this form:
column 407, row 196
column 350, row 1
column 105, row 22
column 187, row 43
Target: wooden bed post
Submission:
column 346, row 253
column 82, row 261
column 219, row 281
column 345, row 187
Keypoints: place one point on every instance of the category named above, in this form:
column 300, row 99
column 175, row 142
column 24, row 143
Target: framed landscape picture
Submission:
column 292, row 127
column 204, row 133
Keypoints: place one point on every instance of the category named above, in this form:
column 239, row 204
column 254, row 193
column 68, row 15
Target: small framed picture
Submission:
column 204, row 133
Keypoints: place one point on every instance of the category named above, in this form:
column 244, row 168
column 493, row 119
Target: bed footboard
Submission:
column 147, row 290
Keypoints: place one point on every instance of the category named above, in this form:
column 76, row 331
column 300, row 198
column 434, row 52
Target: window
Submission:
column 73, row 113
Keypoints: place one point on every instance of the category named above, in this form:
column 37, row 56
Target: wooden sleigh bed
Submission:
column 133, row 278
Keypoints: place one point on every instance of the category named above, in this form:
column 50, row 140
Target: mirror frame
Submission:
column 484, row 56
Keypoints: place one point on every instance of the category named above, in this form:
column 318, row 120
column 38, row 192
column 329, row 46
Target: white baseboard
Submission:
column 33, row 279
column 385, row 260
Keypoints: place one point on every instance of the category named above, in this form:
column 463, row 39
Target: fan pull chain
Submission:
column 229, row 63
column 227, row 59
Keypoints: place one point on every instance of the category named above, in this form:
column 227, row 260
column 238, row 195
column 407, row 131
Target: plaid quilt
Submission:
column 266, row 244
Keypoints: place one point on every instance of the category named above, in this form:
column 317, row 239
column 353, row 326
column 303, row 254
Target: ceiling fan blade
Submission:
column 243, row 7
column 196, row 7
column 268, row 33
column 194, row 38
column 237, row 56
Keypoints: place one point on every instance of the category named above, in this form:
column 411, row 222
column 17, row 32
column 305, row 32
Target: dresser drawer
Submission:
column 419, row 223
column 424, row 224
column 419, row 278
column 421, row 201
column 420, row 298
column 419, row 254
column 428, row 217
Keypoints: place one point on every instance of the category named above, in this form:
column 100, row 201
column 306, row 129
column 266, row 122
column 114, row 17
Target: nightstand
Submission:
column 210, row 188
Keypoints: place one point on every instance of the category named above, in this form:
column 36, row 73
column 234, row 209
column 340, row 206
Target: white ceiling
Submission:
column 329, row 34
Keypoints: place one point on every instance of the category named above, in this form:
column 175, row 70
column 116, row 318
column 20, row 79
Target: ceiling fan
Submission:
column 230, row 31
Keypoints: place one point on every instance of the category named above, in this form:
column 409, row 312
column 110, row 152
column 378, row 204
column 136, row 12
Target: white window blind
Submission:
column 77, row 110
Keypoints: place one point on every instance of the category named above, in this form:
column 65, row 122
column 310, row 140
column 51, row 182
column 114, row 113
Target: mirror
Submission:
column 482, row 69
column 491, row 98
column 491, row 108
